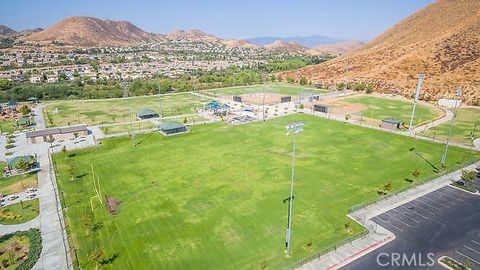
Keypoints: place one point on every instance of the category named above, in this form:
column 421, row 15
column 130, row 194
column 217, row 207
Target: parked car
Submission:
column 460, row 183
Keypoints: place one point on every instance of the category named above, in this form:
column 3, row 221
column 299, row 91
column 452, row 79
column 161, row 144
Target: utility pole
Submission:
column 294, row 128
column 458, row 94
column 417, row 95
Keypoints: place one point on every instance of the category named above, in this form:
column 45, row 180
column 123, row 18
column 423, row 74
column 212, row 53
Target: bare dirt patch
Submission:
column 112, row 204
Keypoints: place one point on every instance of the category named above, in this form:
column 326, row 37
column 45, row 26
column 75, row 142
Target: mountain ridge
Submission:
column 440, row 40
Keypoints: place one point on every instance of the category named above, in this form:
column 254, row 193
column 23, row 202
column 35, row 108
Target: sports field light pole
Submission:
column 458, row 94
column 294, row 128
column 417, row 95
column 263, row 107
column 160, row 100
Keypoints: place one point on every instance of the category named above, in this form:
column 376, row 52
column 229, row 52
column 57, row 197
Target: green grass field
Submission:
column 139, row 126
column 116, row 110
column 277, row 88
column 19, row 213
column 212, row 198
column 381, row 108
column 463, row 127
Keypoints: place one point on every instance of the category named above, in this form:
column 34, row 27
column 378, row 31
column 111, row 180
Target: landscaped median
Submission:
column 20, row 250
column 19, row 213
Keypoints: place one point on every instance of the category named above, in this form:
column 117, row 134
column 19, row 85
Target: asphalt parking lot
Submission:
column 445, row 222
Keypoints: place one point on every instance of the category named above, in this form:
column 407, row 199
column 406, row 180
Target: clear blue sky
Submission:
column 357, row 19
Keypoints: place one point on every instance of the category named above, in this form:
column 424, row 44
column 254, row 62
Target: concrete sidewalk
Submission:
column 378, row 236
column 54, row 253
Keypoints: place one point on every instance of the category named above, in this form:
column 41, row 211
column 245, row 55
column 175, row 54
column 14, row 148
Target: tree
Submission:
column 290, row 80
column 97, row 256
column 71, row 170
column 388, row 186
column 468, row 176
column 185, row 120
column 303, row 80
column 23, row 165
column 51, row 140
column 415, row 173
column 25, row 110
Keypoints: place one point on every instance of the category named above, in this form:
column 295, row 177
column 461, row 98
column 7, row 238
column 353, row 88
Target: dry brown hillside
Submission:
column 441, row 40
column 289, row 47
column 192, row 35
column 88, row 31
column 340, row 47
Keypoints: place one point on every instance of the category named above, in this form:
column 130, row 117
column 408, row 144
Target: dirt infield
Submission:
column 260, row 98
column 337, row 106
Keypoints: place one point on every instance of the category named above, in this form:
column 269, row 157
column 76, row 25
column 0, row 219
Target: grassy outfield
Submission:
column 463, row 127
column 19, row 212
column 72, row 112
column 381, row 108
column 138, row 126
column 278, row 88
column 213, row 198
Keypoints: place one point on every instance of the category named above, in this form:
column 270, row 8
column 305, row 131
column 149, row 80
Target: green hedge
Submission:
column 35, row 247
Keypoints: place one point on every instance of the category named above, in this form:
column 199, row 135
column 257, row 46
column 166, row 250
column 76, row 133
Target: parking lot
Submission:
column 445, row 222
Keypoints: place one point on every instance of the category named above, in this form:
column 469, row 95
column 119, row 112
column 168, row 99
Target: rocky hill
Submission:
column 288, row 47
column 440, row 40
column 88, row 31
column 192, row 36
column 6, row 31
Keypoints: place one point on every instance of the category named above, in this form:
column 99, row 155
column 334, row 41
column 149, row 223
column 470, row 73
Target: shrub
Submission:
column 369, row 89
column 360, row 87
column 9, row 146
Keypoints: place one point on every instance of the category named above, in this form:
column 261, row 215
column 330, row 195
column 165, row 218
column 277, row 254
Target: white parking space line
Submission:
column 424, row 203
column 421, row 208
column 463, row 255
column 403, row 222
column 475, row 242
column 414, row 212
column 451, row 196
column 395, row 227
column 438, row 202
column 471, row 249
column 405, row 215
column 455, row 192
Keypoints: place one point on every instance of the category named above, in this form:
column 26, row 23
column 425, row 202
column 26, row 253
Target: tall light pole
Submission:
column 263, row 107
column 458, row 94
column 160, row 100
column 295, row 128
column 417, row 95
column 124, row 85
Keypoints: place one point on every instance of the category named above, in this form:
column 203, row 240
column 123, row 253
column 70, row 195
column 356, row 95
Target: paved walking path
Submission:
column 54, row 251
column 38, row 118
column 378, row 236
column 34, row 223
column 445, row 119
